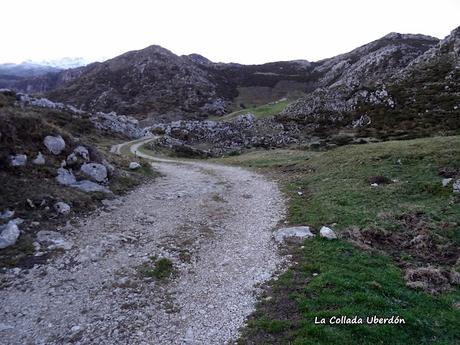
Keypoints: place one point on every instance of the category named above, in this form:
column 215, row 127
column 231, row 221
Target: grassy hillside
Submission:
column 262, row 111
column 398, row 253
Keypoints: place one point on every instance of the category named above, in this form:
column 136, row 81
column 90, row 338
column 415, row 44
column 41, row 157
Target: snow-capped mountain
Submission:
column 62, row 63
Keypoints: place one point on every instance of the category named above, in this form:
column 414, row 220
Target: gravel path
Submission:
column 214, row 222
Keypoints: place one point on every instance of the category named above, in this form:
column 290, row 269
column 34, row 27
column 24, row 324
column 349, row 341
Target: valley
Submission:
column 156, row 198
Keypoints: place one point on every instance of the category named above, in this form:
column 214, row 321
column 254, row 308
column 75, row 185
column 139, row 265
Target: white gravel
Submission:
column 214, row 222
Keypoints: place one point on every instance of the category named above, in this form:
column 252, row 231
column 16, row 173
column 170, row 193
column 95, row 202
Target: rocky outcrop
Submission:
column 415, row 96
column 211, row 138
column 110, row 122
column 346, row 81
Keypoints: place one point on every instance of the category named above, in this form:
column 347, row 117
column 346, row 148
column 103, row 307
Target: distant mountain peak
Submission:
column 62, row 63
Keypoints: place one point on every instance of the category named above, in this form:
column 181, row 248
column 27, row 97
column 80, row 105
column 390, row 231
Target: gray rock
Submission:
column 299, row 232
column 446, row 181
column 39, row 160
column 18, row 160
column 54, row 144
column 327, row 233
column 456, row 186
column 71, row 159
column 82, row 152
column 95, row 171
column 65, row 177
column 9, row 234
column 62, row 207
column 53, row 240
column 90, row 186
column 6, row 214
column 134, row 165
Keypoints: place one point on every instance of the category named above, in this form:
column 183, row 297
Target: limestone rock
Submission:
column 82, row 152
column 9, row 234
column 18, row 160
column 134, row 165
column 90, row 186
column 298, row 232
column 39, row 160
column 95, row 171
column 62, row 207
column 65, row 177
column 327, row 233
column 55, row 144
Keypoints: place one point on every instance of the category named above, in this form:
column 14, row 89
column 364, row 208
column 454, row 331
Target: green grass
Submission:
column 337, row 187
column 262, row 111
column 352, row 281
column 349, row 281
column 162, row 269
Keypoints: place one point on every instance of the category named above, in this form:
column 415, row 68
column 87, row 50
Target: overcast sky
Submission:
column 245, row 31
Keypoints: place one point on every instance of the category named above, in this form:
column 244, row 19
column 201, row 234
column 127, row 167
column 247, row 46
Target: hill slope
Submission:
column 153, row 81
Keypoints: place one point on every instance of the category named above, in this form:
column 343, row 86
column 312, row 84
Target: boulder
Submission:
column 297, row 232
column 90, row 186
column 39, row 160
column 18, row 160
column 327, row 233
column 62, row 207
column 54, row 144
column 65, row 177
column 446, row 181
column 95, row 171
column 53, row 240
column 9, row 234
column 134, row 165
column 456, row 186
column 82, row 152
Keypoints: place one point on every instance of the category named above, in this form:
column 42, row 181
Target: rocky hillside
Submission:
column 414, row 95
column 155, row 83
column 54, row 165
column 425, row 94
column 344, row 76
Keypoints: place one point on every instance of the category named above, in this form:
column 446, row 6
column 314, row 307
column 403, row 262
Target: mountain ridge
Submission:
column 155, row 83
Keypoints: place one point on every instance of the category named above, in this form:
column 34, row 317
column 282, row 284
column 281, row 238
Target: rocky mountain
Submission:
column 409, row 88
column 342, row 77
column 155, row 83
